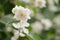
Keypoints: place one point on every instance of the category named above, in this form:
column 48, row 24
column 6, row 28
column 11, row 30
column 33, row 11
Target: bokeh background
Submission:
column 44, row 22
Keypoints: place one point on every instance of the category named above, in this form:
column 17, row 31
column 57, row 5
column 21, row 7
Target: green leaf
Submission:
column 29, row 28
column 37, row 36
column 6, row 19
column 1, row 8
column 34, row 10
column 29, row 37
column 50, row 36
column 20, row 3
column 33, row 36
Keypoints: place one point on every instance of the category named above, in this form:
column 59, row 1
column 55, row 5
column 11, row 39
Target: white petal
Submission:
column 16, row 25
column 13, row 38
column 25, row 30
column 25, row 24
column 22, row 35
column 16, row 32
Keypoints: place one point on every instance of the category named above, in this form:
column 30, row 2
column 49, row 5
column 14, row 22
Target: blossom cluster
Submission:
column 36, row 3
column 22, row 15
column 40, row 3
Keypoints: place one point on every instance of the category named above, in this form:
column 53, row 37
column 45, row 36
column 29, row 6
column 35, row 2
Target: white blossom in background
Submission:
column 57, row 20
column 40, row 3
column 56, row 1
column 37, row 27
column 39, row 16
column 8, row 29
column 53, row 8
column 47, row 23
column 26, row 1
column 21, row 13
column 51, row 5
column 13, row 38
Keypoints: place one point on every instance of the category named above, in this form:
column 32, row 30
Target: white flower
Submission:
column 47, row 23
column 21, row 13
column 37, row 27
column 22, row 31
column 26, row 1
column 56, row 1
column 53, row 8
column 14, row 9
column 16, row 35
column 24, row 24
column 22, row 35
column 25, row 30
column 8, row 28
column 39, row 16
column 13, row 38
column 20, row 25
column 57, row 20
column 16, row 25
column 40, row 3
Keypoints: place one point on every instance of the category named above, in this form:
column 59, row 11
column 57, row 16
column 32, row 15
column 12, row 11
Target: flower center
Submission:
column 22, row 15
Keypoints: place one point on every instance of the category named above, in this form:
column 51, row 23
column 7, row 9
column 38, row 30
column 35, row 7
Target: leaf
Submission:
column 37, row 36
column 1, row 8
column 33, row 36
column 50, row 36
column 6, row 19
column 20, row 3
column 34, row 10
column 30, row 38
column 29, row 28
